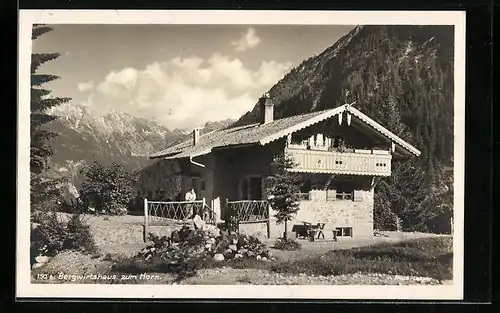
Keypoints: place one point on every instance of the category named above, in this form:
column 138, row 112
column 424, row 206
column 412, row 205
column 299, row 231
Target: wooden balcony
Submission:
column 359, row 162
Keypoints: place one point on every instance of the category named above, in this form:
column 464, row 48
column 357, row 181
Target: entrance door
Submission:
column 251, row 188
column 255, row 188
column 195, row 184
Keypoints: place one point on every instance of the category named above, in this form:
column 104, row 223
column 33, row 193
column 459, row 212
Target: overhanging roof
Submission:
column 262, row 134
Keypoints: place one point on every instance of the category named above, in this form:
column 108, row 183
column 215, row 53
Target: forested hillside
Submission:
column 402, row 76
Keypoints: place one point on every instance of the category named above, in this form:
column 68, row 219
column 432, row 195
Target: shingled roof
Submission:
column 262, row 134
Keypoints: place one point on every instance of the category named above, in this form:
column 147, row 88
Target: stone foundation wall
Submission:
column 258, row 230
column 161, row 231
column 337, row 213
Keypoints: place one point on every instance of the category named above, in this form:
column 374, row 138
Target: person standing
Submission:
column 190, row 197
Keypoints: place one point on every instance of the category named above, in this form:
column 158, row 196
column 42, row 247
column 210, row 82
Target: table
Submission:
column 312, row 230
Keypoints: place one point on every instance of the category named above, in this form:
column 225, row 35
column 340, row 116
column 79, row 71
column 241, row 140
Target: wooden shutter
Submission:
column 331, row 195
column 358, row 195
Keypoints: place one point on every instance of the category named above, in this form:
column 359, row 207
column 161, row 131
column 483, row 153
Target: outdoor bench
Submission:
column 316, row 231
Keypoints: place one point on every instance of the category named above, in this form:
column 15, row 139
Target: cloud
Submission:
column 84, row 86
column 248, row 40
column 187, row 92
column 119, row 83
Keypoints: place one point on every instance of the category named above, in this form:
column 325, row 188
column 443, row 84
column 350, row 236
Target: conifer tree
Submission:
column 43, row 189
column 283, row 188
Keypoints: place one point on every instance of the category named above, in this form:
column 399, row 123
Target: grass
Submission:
column 425, row 257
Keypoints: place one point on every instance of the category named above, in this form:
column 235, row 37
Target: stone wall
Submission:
column 163, row 230
column 258, row 230
column 338, row 213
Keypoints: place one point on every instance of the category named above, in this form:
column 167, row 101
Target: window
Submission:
column 344, row 231
column 344, row 191
column 304, row 190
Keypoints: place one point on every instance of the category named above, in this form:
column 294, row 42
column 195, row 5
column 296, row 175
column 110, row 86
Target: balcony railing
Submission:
column 358, row 162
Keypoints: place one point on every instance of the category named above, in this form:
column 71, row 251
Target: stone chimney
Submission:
column 196, row 136
column 266, row 108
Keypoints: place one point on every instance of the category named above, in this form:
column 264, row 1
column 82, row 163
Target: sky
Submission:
column 180, row 76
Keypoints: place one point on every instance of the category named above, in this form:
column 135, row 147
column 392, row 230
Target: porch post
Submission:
column 268, row 221
column 146, row 219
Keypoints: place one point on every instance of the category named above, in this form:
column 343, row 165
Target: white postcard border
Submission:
column 24, row 287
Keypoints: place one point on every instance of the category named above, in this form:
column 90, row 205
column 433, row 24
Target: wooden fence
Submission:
column 250, row 211
column 158, row 213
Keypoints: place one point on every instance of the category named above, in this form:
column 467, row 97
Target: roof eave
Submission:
column 384, row 131
column 302, row 125
column 163, row 155
column 192, row 155
column 235, row 146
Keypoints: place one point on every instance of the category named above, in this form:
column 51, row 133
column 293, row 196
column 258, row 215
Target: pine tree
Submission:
column 283, row 188
column 43, row 189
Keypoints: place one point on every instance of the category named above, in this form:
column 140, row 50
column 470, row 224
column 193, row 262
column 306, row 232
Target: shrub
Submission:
column 53, row 235
column 45, row 195
column 230, row 225
column 189, row 250
column 287, row 244
column 383, row 217
column 108, row 188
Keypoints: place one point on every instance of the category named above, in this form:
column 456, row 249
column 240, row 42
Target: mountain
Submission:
column 403, row 77
column 83, row 136
column 411, row 66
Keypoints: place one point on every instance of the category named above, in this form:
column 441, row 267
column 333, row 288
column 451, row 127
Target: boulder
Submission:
column 235, row 241
column 37, row 265
column 242, row 251
column 242, row 241
column 42, row 259
column 228, row 253
column 175, row 236
column 198, row 222
column 233, row 247
column 218, row 257
column 184, row 233
column 238, row 256
column 211, row 230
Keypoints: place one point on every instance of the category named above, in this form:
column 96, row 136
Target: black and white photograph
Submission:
column 266, row 154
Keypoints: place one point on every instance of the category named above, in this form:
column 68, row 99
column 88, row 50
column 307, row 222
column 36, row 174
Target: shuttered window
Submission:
column 358, row 195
